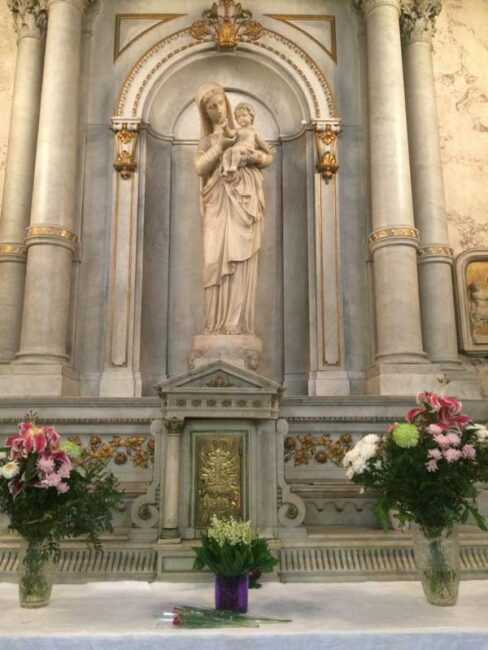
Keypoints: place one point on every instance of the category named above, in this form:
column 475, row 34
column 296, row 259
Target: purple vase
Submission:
column 231, row 593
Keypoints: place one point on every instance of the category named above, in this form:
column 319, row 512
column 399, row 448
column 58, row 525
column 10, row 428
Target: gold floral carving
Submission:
column 326, row 140
column 125, row 150
column 219, row 478
column 137, row 449
column 225, row 22
column 51, row 231
column 318, row 447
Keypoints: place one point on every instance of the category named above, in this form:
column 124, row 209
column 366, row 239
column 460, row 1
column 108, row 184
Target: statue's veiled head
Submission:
column 208, row 95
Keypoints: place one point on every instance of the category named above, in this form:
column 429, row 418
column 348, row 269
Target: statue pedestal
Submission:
column 242, row 350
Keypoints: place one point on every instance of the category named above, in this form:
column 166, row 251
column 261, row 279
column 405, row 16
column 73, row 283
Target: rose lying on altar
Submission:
column 426, row 468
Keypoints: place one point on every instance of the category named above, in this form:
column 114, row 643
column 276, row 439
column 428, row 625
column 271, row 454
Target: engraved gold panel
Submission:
column 477, row 294
column 218, row 476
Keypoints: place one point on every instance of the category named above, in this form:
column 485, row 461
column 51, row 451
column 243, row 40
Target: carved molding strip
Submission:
column 288, row 18
column 162, row 60
column 435, row 253
column 394, row 235
column 119, row 18
column 49, row 234
column 13, row 252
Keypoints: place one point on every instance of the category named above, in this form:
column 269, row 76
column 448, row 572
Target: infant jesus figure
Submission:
column 248, row 140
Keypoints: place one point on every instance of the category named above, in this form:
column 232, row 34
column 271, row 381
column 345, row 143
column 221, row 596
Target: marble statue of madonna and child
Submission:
column 229, row 161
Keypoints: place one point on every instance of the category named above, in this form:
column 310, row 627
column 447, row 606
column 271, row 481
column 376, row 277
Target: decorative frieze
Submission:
column 52, row 235
column 321, row 448
column 13, row 252
column 417, row 21
column 394, row 235
column 435, row 253
column 29, row 17
column 139, row 450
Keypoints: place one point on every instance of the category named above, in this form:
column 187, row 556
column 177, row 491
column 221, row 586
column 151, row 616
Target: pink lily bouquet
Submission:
column 425, row 469
column 52, row 489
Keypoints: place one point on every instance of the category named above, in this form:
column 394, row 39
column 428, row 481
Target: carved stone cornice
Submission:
column 367, row 6
column 417, row 22
column 29, row 17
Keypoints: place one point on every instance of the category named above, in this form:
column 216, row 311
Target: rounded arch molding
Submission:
column 279, row 51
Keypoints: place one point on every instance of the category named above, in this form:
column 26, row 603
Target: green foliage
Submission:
column 433, row 499
column 84, row 510
column 233, row 559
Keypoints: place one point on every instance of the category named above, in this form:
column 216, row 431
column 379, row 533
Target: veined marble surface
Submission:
column 460, row 64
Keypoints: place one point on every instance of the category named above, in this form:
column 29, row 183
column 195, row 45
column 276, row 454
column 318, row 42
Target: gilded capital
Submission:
column 417, row 20
column 29, row 16
column 367, row 6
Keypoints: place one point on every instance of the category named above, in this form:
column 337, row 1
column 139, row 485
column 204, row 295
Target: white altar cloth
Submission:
column 332, row 616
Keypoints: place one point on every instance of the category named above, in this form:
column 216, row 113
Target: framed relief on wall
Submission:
column 471, row 269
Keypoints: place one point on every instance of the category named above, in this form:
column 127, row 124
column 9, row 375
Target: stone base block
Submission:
column 402, row 378
column 120, row 384
column 242, row 350
column 38, row 380
column 329, row 383
column 463, row 382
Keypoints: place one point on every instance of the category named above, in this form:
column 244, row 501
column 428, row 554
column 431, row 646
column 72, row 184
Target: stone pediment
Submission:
column 220, row 389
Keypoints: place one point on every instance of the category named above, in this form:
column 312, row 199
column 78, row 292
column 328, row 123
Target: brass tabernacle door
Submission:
column 219, row 476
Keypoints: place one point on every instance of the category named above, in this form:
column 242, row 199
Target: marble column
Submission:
column 174, row 430
column 30, row 18
column 51, row 239
column 435, row 257
column 400, row 363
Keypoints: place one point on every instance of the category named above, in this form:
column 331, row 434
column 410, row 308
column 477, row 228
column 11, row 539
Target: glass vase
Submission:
column 438, row 563
column 231, row 593
column 36, row 571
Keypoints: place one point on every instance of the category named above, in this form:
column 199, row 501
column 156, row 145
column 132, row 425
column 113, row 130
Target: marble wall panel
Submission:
column 460, row 65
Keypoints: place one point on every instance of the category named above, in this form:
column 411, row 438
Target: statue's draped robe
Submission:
column 233, row 212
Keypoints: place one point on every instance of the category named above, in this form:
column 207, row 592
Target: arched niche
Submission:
column 172, row 302
column 156, row 290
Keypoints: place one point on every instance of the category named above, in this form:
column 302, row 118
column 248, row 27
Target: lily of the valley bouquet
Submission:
column 233, row 548
column 425, row 469
column 52, row 490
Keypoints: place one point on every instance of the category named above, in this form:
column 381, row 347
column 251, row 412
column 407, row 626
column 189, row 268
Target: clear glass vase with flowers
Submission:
column 51, row 490
column 426, row 469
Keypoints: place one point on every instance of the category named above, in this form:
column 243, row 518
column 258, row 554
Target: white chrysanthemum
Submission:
column 11, row 469
column 355, row 460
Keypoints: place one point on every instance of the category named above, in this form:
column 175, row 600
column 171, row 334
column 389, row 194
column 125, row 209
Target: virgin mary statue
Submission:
column 232, row 206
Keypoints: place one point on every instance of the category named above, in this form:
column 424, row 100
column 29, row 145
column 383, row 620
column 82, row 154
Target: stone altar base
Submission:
column 242, row 350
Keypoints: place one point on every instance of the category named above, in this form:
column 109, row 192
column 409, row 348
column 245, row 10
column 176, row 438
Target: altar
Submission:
column 225, row 258
column 341, row 616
